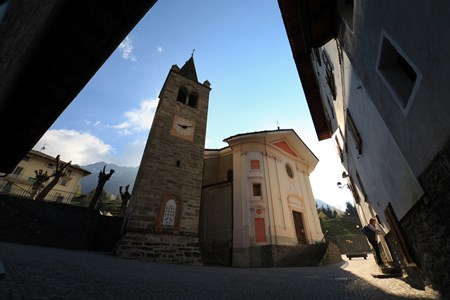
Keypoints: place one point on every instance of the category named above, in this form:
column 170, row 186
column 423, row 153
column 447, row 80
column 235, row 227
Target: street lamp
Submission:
column 341, row 186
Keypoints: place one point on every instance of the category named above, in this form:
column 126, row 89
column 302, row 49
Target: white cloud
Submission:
column 160, row 49
column 126, row 47
column 139, row 119
column 79, row 147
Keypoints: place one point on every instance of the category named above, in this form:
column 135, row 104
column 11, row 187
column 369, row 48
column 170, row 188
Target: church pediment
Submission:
column 283, row 145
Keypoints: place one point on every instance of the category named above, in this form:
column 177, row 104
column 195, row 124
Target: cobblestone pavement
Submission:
column 34, row 272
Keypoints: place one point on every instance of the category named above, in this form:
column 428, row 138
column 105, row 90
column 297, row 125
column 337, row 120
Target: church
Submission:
column 238, row 206
column 257, row 198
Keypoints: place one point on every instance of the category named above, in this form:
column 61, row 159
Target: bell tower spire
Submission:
column 188, row 70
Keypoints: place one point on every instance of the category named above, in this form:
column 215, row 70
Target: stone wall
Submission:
column 56, row 224
column 427, row 228
column 166, row 248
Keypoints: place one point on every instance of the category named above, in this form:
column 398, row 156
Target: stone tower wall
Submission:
column 171, row 169
column 159, row 172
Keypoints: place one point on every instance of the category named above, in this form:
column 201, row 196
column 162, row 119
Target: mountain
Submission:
column 323, row 204
column 122, row 176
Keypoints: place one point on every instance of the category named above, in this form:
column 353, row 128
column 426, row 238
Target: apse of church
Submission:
column 161, row 223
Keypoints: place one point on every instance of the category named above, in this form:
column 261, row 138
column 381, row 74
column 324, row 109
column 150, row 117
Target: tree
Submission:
column 39, row 181
column 60, row 171
column 333, row 214
column 329, row 212
column 350, row 210
column 102, row 179
column 125, row 197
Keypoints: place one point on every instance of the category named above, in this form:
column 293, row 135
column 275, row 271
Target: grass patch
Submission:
column 340, row 227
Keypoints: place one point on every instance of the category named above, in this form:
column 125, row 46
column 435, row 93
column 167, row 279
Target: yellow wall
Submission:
column 39, row 161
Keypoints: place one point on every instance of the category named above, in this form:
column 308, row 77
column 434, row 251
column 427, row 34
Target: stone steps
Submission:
column 303, row 255
column 388, row 271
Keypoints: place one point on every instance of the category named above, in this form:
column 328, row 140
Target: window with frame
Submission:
column 254, row 164
column 257, row 189
column 330, row 107
column 397, row 72
column 26, row 158
column 169, row 213
column 50, row 166
column 59, row 198
column 18, row 170
column 354, row 190
column 351, row 126
column 329, row 76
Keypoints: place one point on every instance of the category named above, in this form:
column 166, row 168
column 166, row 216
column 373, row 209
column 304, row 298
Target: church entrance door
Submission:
column 299, row 228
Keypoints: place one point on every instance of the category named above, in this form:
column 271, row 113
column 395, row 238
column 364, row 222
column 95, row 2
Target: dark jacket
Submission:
column 371, row 235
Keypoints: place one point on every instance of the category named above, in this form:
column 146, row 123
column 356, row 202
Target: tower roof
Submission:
column 188, row 70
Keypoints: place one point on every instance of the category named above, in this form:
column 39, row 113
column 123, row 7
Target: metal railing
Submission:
column 8, row 187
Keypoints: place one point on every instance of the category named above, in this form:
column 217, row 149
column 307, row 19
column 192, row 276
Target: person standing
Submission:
column 371, row 233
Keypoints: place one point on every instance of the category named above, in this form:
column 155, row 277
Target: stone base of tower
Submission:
column 165, row 248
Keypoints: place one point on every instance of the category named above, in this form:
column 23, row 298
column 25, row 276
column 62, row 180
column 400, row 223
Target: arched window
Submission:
column 182, row 95
column 169, row 213
column 192, row 102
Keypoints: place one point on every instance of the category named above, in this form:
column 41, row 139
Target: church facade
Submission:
column 257, row 194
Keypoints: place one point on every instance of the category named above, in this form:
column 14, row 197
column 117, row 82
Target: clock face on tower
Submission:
column 183, row 128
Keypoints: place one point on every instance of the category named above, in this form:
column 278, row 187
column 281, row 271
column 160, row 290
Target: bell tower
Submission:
column 162, row 219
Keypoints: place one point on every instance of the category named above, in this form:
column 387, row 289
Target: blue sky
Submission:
column 241, row 47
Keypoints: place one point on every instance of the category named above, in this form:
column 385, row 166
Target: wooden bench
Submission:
column 351, row 255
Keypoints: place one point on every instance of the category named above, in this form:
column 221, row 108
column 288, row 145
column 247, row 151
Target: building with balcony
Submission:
column 21, row 180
